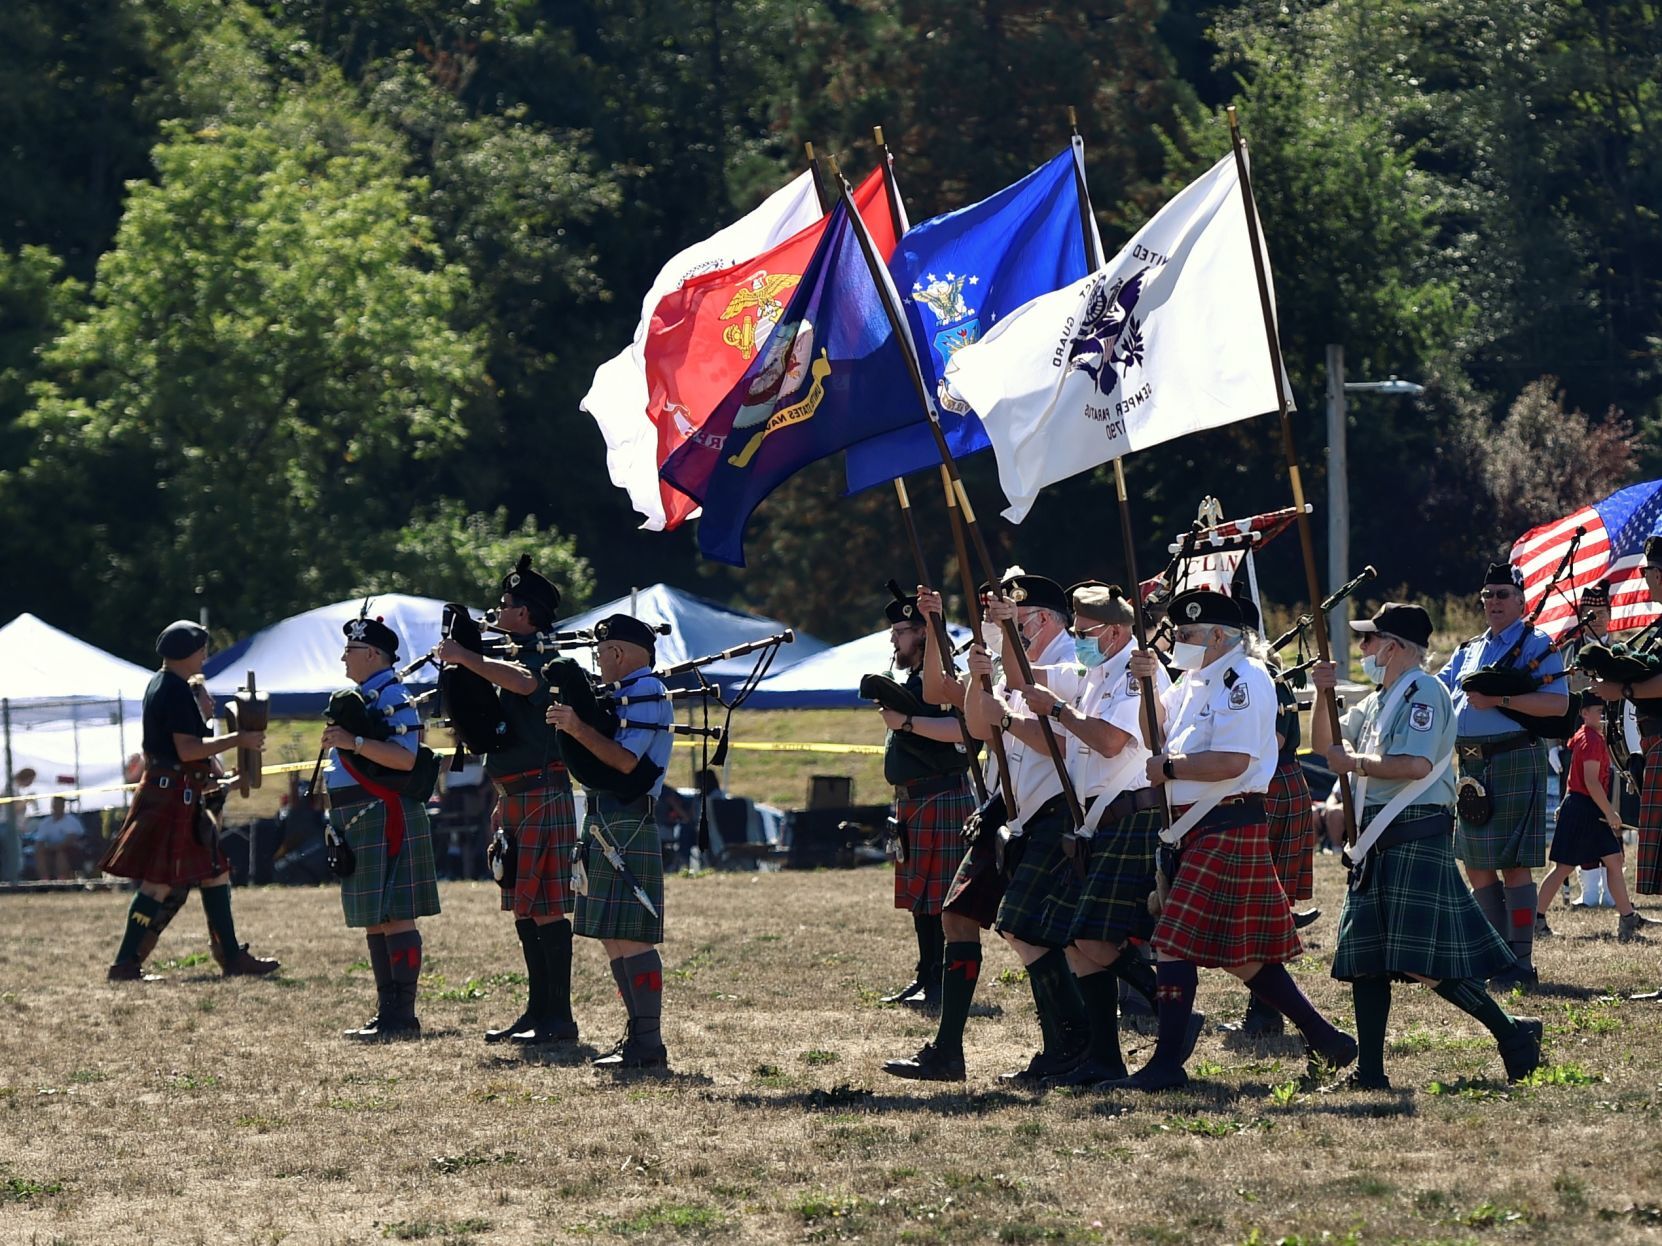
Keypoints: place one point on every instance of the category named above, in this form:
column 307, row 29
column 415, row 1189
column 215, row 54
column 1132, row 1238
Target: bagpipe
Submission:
column 1504, row 679
column 1625, row 662
column 350, row 710
column 1293, row 675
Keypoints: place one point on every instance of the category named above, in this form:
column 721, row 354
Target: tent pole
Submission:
column 11, row 859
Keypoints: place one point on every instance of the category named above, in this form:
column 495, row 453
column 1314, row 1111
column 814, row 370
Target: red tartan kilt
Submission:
column 544, row 826
column 157, row 843
column 1292, row 830
column 1226, row 906
column 934, row 847
column 1648, row 878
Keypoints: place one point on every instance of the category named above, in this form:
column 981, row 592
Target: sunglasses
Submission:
column 1497, row 594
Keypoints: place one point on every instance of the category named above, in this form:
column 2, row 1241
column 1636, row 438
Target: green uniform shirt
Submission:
column 534, row 742
column 1422, row 725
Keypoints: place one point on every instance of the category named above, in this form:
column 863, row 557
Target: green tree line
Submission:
column 298, row 298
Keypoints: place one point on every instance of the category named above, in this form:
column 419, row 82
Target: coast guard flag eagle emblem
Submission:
column 1110, row 339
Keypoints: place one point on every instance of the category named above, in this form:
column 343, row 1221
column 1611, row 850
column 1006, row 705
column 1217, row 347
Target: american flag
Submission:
column 1611, row 550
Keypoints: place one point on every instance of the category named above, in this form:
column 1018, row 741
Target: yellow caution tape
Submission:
column 754, row 746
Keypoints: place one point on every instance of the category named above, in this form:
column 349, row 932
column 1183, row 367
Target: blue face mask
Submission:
column 1088, row 651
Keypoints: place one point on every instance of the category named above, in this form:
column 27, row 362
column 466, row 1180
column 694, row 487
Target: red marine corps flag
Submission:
column 705, row 335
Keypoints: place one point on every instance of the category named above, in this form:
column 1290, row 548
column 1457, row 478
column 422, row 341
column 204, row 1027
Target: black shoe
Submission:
column 1091, row 1072
column 906, row 994
column 1152, row 1077
column 633, row 1053
column 1336, row 1055
column 384, row 1031
column 1305, row 918
column 1046, row 1064
column 928, row 1001
column 1646, row 997
column 356, row 1033
column 931, row 1064
column 545, row 1032
column 1357, row 1080
column 1261, row 1021
column 1519, row 977
column 130, row 971
column 519, row 1024
column 1521, row 1051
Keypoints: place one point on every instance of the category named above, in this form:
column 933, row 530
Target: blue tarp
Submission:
column 831, row 679
column 298, row 663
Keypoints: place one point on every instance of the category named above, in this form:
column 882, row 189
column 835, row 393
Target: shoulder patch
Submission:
column 1240, row 696
column 1419, row 717
column 1133, row 686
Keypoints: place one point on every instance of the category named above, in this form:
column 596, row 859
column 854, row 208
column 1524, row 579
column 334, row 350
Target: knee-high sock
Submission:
column 380, row 963
column 1470, row 998
column 535, row 973
column 1491, row 900
column 620, row 975
column 920, row 929
column 1372, row 999
column 646, row 985
column 1520, row 904
column 1175, row 1000
column 404, row 957
column 1136, row 973
column 1056, row 995
column 1275, row 986
column 141, row 915
column 1101, row 994
column 216, row 903
column 172, row 902
column 554, row 944
column 1593, row 885
column 958, row 978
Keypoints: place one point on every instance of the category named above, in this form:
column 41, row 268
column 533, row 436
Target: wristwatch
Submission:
column 1055, row 710
column 1362, row 764
column 1627, row 691
column 1004, row 721
column 1506, row 702
column 1166, row 769
column 907, row 725
column 357, row 744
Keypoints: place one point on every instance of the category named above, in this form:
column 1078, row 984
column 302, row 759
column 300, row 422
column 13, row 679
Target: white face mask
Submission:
column 1373, row 670
column 992, row 638
column 1188, row 657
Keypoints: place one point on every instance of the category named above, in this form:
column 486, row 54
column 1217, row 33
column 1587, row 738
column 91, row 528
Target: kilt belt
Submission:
column 1229, row 814
column 552, row 775
column 1473, row 750
column 347, row 795
column 1123, row 806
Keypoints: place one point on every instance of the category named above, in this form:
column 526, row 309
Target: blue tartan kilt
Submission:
column 379, row 890
column 1416, row 915
column 1517, row 833
column 1039, row 900
column 1113, row 904
column 610, row 909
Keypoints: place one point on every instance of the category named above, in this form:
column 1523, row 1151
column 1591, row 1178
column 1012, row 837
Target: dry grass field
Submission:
column 196, row 1109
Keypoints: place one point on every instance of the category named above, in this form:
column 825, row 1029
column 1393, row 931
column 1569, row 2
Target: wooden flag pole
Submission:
column 1152, row 735
column 1318, row 622
column 819, row 182
column 1012, row 637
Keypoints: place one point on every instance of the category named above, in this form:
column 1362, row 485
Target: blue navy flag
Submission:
column 1610, row 551
column 960, row 273
column 826, row 380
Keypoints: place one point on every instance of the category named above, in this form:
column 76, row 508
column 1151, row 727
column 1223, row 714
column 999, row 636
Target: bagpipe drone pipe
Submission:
column 350, row 710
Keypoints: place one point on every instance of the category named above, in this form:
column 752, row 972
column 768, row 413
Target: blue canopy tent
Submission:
column 831, row 679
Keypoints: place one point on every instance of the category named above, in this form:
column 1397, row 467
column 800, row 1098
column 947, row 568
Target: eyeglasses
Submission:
column 1189, row 635
column 1092, row 631
column 1497, row 594
column 359, row 648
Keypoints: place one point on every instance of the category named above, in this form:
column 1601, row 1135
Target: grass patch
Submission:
column 188, row 961
column 1494, row 1216
column 1202, row 1127
column 818, row 1056
column 194, row 1081
column 681, row 1219
column 23, row 1189
column 437, row 1230
column 1562, row 1075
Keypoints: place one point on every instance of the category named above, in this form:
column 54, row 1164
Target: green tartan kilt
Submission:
column 610, row 908
column 1416, row 915
column 1517, row 833
column 379, row 891
column 1113, row 905
column 1039, row 899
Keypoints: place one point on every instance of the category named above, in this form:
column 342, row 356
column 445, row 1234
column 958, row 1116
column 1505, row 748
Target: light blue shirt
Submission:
column 390, row 702
column 1422, row 725
column 636, row 722
column 1476, row 724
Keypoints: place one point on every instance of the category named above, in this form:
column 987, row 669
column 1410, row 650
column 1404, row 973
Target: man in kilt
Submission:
column 393, row 881
column 169, row 841
column 1098, row 704
column 1646, row 699
column 976, row 899
column 1225, row 908
column 1289, row 813
column 1503, row 838
column 629, row 925
column 924, row 758
column 1407, row 913
column 534, row 808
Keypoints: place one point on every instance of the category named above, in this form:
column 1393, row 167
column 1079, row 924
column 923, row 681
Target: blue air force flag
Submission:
column 823, row 382
column 1164, row 340
column 960, row 275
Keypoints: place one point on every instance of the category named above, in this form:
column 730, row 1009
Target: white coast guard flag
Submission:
column 617, row 398
column 1165, row 339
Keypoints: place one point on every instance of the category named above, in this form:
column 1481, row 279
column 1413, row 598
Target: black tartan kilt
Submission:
column 1113, row 904
column 977, row 885
column 1039, row 899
